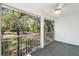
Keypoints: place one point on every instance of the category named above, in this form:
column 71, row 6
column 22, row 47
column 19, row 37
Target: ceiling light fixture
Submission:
column 57, row 11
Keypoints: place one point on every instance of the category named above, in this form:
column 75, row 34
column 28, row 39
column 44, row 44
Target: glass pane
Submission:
column 9, row 33
column 9, row 47
column 8, row 28
column 20, row 32
column 30, row 33
column 49, row 31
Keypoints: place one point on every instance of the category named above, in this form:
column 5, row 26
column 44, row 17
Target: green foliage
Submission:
column 49, row 26
column 34, row 26
column 12, row 18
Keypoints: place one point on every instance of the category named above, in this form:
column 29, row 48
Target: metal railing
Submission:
column 27, row 44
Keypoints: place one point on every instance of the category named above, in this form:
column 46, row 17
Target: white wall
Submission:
column 67, row 29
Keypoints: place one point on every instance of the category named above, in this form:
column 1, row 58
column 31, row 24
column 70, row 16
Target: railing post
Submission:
column 42, row 32
column 0, row 29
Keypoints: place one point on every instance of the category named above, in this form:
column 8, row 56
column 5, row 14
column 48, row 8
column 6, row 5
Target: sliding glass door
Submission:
column 48, row 31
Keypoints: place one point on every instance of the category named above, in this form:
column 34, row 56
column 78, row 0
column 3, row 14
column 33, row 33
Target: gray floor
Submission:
column 58, row 49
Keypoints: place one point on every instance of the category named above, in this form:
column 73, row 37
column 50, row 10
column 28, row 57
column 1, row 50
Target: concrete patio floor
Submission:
column 58, row 49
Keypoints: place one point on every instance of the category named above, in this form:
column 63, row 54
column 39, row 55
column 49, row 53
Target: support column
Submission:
column 0, row 28
column 42, row 32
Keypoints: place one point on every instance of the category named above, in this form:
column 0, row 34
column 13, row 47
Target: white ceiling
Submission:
column 46, row 9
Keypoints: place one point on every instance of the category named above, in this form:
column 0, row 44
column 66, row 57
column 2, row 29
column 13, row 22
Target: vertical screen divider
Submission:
column 42, row 32
column 0, row 26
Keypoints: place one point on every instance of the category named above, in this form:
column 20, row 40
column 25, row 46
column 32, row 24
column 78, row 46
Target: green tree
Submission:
column 12, row 18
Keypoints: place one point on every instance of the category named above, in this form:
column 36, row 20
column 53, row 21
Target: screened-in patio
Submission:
column 39, row 29
column 22, row 32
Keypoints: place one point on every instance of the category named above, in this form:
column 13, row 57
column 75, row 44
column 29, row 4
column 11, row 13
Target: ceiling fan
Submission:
column 58, row 8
